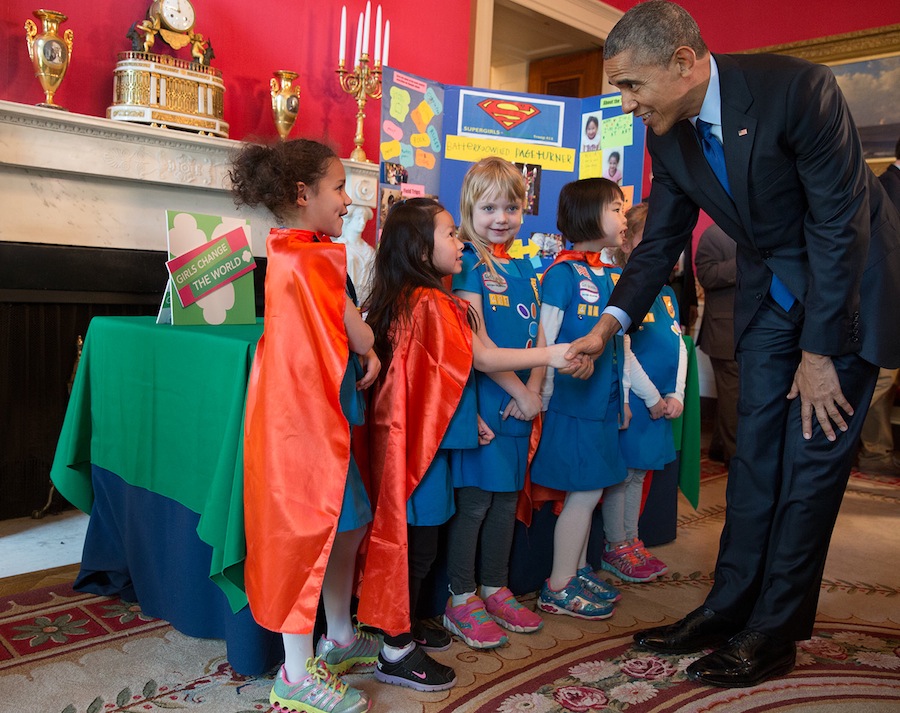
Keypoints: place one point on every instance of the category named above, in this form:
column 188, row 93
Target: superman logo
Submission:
column 508, row 113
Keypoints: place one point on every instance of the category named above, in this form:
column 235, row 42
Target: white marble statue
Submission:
column 360, row 255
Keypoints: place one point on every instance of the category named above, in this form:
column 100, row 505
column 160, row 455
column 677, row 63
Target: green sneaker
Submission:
column 319, row 691
column 361, row 653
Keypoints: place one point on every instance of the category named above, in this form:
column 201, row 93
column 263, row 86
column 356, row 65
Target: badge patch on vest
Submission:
column 588, row 291
column 495, row 283
column 498, row 300
column 670, row 308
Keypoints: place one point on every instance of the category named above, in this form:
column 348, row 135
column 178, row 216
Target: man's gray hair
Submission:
column 653, row 30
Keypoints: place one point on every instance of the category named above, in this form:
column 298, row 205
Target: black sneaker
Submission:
column 431, row 638
column 416, row 670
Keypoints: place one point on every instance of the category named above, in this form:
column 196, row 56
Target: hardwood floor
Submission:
column 35, row 580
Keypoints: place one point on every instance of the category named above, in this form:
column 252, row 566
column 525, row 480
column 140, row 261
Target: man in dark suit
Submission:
column 876, row 448
column 716, row 260
column 776, row 162
column 890, row 179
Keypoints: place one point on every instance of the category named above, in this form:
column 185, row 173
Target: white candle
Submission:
column 359, row 28
column 387, row 41
column 365, row 44
column 378, row 35
column 342, row 55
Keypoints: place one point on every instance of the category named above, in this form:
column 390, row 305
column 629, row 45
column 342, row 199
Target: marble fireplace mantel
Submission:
column 76, row 180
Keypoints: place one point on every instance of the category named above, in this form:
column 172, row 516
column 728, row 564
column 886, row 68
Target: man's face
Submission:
column 660, row 96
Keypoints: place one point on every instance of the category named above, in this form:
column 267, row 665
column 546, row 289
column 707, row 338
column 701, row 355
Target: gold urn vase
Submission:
column 50, row 53
column 285, row 101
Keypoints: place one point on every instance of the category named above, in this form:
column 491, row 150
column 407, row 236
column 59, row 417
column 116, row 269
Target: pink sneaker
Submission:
column 503, row 608
column 625, row 563
column 650, row 560
column 471, row 623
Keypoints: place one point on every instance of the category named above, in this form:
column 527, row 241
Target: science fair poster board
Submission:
column 431, row 133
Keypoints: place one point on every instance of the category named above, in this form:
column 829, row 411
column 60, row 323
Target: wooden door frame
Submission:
column 590, row 16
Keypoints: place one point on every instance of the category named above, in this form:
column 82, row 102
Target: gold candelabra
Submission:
column 361, row 83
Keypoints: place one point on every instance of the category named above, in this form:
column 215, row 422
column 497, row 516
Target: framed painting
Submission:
column 867, row 67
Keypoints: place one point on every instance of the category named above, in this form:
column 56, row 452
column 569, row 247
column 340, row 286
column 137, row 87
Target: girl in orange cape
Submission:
column 305, row 506
column 421, row 408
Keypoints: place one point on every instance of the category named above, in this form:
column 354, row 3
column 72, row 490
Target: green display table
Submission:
column 162, row 407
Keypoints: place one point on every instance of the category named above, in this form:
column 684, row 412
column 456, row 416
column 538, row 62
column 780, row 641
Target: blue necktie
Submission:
column 715, row 156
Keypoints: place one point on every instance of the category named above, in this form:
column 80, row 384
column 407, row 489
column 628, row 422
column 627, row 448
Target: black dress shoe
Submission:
column 749, row 658
column 700, row 629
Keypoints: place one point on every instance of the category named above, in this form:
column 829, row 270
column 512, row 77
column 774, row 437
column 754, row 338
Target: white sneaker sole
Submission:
column 555, row 609
column 472, row 643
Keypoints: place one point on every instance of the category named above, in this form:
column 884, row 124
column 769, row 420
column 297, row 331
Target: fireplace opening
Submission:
column 48, row 296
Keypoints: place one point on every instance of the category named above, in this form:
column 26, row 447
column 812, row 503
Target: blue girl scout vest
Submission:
column 511, row 305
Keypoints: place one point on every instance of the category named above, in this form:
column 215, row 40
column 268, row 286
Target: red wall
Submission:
column 730, row 26
column 251, row 40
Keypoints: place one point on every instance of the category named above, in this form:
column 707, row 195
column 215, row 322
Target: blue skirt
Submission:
column 579, row 454
column 431, row 503
column 647, row 444
column 498, row 467
column 356, row 510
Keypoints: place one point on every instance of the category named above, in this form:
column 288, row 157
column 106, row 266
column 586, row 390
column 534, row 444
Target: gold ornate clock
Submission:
column 161, row 90
column 173, row 20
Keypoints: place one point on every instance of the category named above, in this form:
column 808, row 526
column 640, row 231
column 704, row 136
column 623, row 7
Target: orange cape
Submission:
column 410, row 412
column 296, row 438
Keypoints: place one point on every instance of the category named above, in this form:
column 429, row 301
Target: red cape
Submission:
column 533, row 496
column 410, row 411
column 296, row 438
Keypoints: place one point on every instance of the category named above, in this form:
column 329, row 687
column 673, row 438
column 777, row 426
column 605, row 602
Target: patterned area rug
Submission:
column 66, row 652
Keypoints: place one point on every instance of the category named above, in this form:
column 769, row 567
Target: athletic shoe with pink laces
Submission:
column 506, row 610
column 649, row 558
column 625, row 563
column 471, row 623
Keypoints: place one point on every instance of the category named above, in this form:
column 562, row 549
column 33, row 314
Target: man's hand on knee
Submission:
column 816, row 383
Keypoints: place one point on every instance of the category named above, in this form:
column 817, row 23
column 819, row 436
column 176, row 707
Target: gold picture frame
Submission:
column 860, row 46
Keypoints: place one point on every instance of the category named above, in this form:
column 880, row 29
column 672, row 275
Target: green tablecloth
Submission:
column 162, row 407
column 686, row 430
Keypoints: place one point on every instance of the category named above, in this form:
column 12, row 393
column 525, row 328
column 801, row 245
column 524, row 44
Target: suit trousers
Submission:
column 783, row 492
column 725, row 372
column 877, row 438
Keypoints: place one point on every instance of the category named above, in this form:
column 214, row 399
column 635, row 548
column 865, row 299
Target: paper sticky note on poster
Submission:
column 611, row 101
column 590, row 164
column 399, row 103
column 629, row 197
column 617, row 131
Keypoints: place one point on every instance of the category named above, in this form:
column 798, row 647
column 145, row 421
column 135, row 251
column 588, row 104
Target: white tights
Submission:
column 337, row 590
column 570, row 538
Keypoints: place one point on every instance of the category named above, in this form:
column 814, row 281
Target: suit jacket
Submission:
column 890, row 179
column 717, row 273
column 806, row 207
